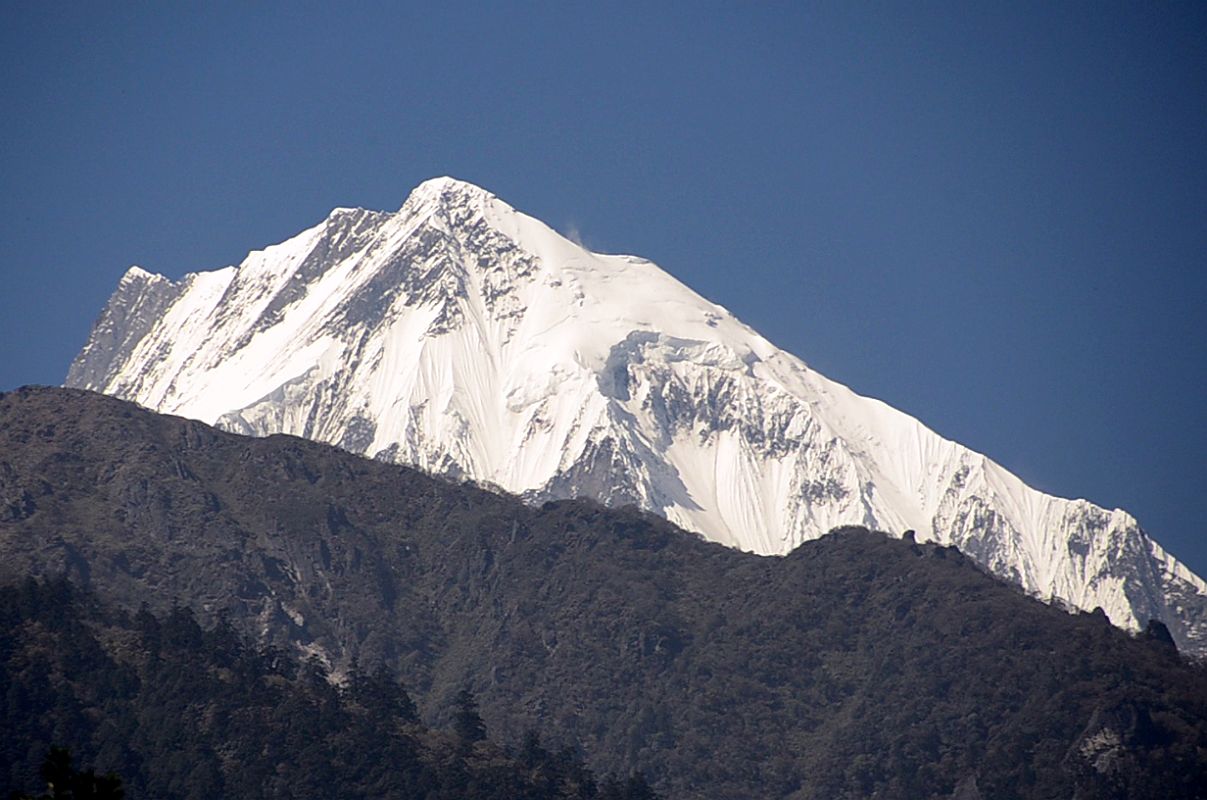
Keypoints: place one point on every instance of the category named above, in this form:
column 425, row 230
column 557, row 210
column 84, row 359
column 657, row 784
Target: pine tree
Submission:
column 63, row 782
column 467, row 723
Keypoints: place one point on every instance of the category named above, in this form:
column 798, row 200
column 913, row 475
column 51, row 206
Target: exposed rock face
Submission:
column 463, row 337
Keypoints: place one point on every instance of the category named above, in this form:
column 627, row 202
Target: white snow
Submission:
column 502, row 351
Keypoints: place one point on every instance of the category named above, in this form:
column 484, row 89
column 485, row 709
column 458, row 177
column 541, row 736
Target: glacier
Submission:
column 466, row 338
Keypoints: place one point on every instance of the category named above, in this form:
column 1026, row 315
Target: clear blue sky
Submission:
column 992, row 216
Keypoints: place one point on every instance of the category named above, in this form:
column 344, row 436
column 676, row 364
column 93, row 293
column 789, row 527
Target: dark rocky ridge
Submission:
column 857, row 664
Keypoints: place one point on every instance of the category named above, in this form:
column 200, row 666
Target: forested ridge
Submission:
column 174, row 710
column 858, row 665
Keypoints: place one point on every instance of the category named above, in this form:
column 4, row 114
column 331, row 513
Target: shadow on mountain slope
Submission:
column 856, row 665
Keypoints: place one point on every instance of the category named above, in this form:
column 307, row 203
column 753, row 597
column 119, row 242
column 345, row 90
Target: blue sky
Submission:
column 992, row 216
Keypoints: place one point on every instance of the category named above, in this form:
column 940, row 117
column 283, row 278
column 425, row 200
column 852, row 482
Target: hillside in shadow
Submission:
column 857, row 665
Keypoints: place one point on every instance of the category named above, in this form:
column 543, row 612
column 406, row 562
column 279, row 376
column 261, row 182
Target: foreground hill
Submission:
column 176, row 712
column 857, row 664
column 464, row 337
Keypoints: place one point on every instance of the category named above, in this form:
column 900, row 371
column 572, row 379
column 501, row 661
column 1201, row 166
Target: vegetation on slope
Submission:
column 182, row 712
column 858, row 665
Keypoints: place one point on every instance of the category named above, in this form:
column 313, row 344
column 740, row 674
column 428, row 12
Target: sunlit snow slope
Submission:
column 466, row 338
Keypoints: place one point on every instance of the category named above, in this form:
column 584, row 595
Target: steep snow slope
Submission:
column 469, row 339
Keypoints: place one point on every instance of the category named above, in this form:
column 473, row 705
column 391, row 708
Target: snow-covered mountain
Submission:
column 462, row 336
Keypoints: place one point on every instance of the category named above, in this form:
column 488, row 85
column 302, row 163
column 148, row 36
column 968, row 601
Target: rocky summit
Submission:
column 464, row 337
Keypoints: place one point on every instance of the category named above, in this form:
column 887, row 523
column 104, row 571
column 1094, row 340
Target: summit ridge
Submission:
column 464, row 337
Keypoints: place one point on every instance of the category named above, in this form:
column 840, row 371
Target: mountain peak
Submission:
column 137, row 273
column 447, row 189
column 467, row 338
column 349, row 211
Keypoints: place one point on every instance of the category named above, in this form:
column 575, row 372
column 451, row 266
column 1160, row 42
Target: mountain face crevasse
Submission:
column 466, row 338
